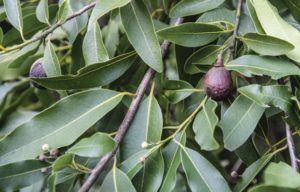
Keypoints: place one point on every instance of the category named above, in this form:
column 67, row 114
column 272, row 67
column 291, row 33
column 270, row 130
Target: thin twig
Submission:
column 126, row 121
column 51, row 29
column 291, row 146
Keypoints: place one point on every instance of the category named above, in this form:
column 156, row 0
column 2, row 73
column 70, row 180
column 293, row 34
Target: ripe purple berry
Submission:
column 217, row 82
column 37, row 71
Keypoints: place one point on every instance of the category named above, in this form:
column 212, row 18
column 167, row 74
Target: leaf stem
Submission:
column 291, row 146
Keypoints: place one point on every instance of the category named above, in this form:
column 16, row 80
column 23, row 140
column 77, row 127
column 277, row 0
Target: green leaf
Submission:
column 93, row 47
column 250, row 65
column 200, row 173
column 204, row 126
column 95, row 146
column 104, row 6
column 171, row 154
column 275, row 95
column 281, row 175
column 21, row 174
column 42, row 11
column 74, row 26
column 1, row 35
column 251, row 172
column 294, row 7
column 58, row 126
column 133, row 164
column 191, row 34
column 239, row 121
column 193, row 7
column 205, row 57
column 95, row 75
column 62, row 162
column 274, row 25
column 140, row 32
column 254, row 17
column 146, row 127
column 217, row 15
column 112, row 36
column 267, row 45
column 51, row 63
column 116, row 181
column 14, row 14
column 176, row 90
column 150, row 177
column 268, row 188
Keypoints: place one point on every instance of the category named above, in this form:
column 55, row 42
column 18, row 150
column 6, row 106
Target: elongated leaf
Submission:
column 254, row 17
column 95, row 146
column 275, row 26
column 191, row 34
column 58, row 126
column 269, row 188
column 50, row 61
column 146, row 127
column 250, row 173
column 116, row 181
column 93, row 47
column 1, row 35
column 21, row 174
column 239, row 121
column 204, row 57
column 201, row 174
column 172, row 160
column 217, row 15
column 140, row 32
column 150, row 177
column 267, row 45
column 193, row 7
column 42, row 11
column 91, row 76
column 77, row 24
column 281, row 175
column 176, row 91
column 112, row 36
column 14, row 14
column 204, row 126
column 104, row 6
column 275, row 95
column 250, row 65
column 62, row 162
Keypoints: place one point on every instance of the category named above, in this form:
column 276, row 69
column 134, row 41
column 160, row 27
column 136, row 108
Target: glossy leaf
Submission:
column 51, row 63
column 95, row 146
column 171, row 154
column 191, row 34
column 116, row 181
column 269, row 188
column 281, row 175
column 250, row 65
column 140, row 32
column 1, row 35
column 204, row 126
column 95, row 75
column 15, row 176
column 201, row 174
column 239, row 121
column 93, row 47
column 58, row 126
column 62, row 162
column 14, row 14
column 267, row 45
column 217, row 15
column 251, row 172
column 294, row 7
column 274, row 25
column 104, row 6
column 193, row 7
column 176, row 90
column 274, row 95
column 146, row 127
column 42, row 11
column 254, row 17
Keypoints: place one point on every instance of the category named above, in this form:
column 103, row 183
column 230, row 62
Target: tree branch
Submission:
column 51, row 29
column 291, row 146
column 126, row 121
column 236, row 28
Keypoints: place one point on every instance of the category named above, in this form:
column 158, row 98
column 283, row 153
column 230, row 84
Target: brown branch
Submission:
column 236, row 28
column 291, row 146
column 51, row 29
column 126, row 121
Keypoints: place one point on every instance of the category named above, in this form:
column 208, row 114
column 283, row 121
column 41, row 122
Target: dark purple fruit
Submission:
column 217, row 82
column 37, row 71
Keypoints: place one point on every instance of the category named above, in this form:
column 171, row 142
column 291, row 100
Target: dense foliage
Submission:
column 153, row 95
